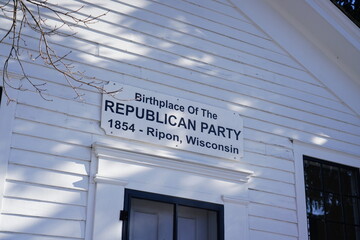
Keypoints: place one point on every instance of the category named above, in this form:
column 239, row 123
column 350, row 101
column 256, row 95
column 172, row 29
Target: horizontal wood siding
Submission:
column 201, row 50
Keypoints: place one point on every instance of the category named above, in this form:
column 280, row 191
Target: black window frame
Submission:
column 325, row 219
column 176, row 201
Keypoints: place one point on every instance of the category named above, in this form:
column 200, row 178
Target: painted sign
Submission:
column 155, row 118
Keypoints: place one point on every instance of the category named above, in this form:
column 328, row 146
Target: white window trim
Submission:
column 109, row 189
column 301, row 149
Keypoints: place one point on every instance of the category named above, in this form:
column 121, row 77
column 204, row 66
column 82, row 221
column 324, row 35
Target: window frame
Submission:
column 176, row 201
column 302, row 149
column 323, row 164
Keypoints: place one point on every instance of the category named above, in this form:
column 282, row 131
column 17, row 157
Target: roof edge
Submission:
column 284, row 22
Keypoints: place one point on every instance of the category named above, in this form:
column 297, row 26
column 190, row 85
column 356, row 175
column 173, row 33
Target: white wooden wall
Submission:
column 201, row 50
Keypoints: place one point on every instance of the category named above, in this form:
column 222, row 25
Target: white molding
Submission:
column 236, row 217
column 236, row 200
column 301, row 149
column 327, row 154
column 104, row 151
column 114, row 181
column 338, row 20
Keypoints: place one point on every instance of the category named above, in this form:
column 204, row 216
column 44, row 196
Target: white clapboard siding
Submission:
column 46, row 177
column 43, row 226
column 43, row 209
column 273, row 226
column 254, row 133
column 45, row 193
column 191, row 12
column 271, row 173
column 256, row 64
column 51, row 162
column 262, row 159
column 69, row 107
column 258, row 84
column 133, row 17
column 269, row 236
column 32, row 128
column 288, row 91
column 50, row 147
column 271, row 186
column 256, row 146
column 184, row 12
column 18, row 236
column 271, row 212
column 219, row 6
column 58, row 119
column 272, row 199
column 221, row 73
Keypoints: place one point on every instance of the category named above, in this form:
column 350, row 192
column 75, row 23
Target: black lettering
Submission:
column 109, row 104
column 150, row 115
column 129, row 109
column 119, row 108
column 204, row 126
column 138, row 97
column 170, row 120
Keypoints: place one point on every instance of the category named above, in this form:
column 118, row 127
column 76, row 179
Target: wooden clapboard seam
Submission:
column 45, row 201
column 49, row 169
column 47, row 186
column 47, row 237
column 40, row 217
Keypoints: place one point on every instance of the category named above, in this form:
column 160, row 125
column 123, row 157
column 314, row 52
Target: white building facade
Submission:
column 224, row 106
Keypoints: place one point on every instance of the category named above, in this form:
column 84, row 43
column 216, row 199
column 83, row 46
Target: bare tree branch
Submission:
column 30, row 13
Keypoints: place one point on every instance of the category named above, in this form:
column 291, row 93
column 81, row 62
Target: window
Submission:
column 152, row 216
column 332, row 200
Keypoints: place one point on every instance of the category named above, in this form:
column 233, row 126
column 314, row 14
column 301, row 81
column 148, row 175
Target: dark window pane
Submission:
column 335, row 231
column 315, row 203
column 312, row 175
column 316, row 229
column 331, row 178
column 350, row 185
column 351, row 210
column 333, row 207
column 352, row 233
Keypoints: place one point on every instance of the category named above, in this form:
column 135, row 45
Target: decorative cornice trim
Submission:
column 103, row 151
column 235, row 200
column 114, row 181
